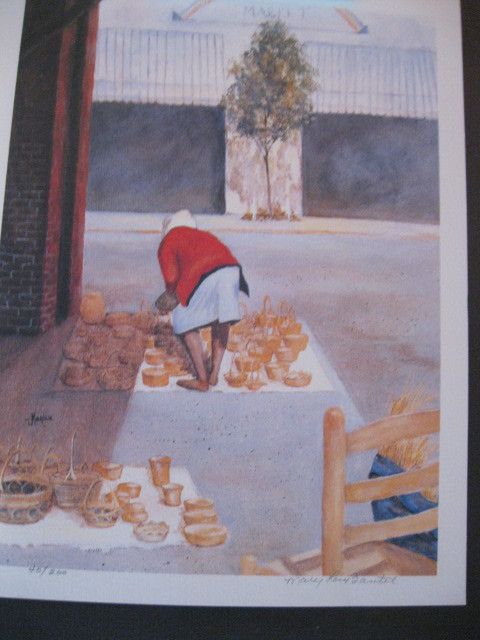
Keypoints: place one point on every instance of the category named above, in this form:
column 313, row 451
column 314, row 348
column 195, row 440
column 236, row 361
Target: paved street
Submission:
column 372, row 302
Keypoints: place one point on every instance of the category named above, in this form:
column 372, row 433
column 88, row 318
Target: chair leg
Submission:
column 248, row 565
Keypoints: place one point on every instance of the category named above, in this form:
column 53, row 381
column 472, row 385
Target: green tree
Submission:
column 270, row 95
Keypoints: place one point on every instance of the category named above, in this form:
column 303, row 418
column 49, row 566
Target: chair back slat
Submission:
column 386, row 529
column 394, row 485
column 392, row 428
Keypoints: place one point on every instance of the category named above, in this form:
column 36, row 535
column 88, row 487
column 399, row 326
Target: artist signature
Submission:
column 317, row 580
column 33, row 419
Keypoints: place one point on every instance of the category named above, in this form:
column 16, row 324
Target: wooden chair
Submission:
column 362, row 549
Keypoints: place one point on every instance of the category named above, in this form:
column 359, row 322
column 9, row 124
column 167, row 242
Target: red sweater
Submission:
column 188, row 255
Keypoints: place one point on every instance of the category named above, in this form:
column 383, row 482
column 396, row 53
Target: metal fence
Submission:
column 175, row 67
column 166, row 67
column 374, row 80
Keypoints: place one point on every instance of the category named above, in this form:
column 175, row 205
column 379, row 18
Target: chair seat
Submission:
column 367, row 559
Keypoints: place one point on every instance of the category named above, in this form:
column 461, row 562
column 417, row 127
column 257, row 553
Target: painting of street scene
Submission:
column 220, row 290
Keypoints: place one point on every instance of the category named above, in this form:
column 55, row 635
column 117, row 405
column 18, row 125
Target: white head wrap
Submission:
column 182, row 218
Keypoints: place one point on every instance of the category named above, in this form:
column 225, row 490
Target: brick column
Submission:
column 41, row 247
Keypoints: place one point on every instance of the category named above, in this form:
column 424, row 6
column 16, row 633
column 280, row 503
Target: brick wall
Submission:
column 27, row 185
column 41, row 177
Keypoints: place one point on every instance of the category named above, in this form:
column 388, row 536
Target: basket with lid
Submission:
column 24, row 499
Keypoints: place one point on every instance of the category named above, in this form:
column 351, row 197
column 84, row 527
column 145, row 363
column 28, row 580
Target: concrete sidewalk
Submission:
column 104, row 221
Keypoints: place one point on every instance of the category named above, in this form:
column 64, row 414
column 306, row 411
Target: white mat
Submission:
column 69, row 528
column 307, row 361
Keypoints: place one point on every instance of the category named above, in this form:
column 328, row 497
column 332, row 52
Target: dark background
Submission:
column 156, row 158
column 358, row 166
column 56, row 621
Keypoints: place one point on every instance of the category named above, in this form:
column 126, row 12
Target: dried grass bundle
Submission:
column 413, row 452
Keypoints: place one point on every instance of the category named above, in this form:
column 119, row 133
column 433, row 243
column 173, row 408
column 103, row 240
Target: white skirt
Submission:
column 216, row 299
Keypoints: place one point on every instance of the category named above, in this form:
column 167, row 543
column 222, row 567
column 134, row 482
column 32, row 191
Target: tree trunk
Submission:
column 269, row 188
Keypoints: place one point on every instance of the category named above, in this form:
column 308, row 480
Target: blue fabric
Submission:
column 404, row 505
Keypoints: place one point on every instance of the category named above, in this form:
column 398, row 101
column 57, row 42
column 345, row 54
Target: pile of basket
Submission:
column 106, row 349
column 264, row 346
column 29, row 488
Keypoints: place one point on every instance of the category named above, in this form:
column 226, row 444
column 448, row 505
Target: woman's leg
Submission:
column 220, row 332
column 193, row 343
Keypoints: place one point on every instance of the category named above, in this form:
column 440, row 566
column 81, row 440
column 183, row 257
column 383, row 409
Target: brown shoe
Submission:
column 193, row 384
column 213, row 381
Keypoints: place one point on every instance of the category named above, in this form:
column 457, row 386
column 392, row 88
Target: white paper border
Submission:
column 448, row 587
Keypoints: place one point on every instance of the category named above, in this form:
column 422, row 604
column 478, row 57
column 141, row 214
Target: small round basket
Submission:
column 77, row 375
column 131, row 356
column 273, row 341
column 296, row 341
column 144, row 319
column 276, row 371
column 197, row 504
column 285, row 354
column 235, row 379
column 151, row 531
column 247, row 364
column 123, row 331
column 154, row 356
column 76, row 349
column 236, row 342
column 108, row 470
column 257, row 352
column 118, row 318
column 155, row 377
column 98, row 358
column 205, row 535
column 116, row 378
column 131, row 489
column 254, row 382
column 134, row 512
column 298, row 379
column 201, row 516
column 174, row 367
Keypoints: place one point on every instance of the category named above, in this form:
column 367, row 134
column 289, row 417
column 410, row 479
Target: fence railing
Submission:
column 169, row 67
column 182, row 67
